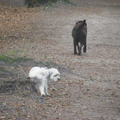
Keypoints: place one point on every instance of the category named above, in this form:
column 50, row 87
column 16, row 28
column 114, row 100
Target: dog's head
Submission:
column 54, row 74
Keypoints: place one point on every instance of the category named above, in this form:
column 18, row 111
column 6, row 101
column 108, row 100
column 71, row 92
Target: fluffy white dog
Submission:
column 40, row 76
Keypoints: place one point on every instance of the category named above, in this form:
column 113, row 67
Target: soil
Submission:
column 89, row 88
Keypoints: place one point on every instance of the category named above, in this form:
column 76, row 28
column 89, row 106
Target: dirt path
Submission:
column 90, row 84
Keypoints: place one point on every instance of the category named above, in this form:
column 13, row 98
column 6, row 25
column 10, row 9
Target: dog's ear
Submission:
column 50, row 73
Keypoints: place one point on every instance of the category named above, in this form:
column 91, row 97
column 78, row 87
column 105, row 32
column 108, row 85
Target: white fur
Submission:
column 40, row 77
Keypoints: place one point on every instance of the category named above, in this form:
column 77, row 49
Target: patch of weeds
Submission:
column 10, row 60
column 15, row 53
column 7, row 86
column 10, row 52
column 18, row 87
column 54, row 2
column 68, row 2
column 4, row 37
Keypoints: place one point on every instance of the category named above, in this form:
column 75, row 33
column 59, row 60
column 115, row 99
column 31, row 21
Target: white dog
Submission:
column 41, row 75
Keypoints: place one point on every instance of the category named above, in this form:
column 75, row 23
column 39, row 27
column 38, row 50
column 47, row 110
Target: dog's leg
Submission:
column 46, row 88
column 41, row 88
column 74, row 41
column 79, row 48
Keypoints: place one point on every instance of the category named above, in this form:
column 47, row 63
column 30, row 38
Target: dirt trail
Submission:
column 90, row 84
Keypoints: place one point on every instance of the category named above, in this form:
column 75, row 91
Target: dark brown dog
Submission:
column 79, row 34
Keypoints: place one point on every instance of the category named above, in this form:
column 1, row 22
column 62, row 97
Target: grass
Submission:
column 11, row 60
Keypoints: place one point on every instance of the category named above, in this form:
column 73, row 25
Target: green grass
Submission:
column 11, row 60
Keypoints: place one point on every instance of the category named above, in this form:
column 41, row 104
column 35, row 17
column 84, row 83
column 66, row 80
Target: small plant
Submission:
column 4, row 37
column 32, row 3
